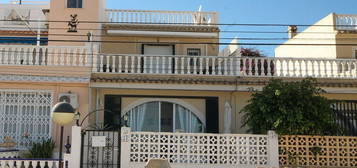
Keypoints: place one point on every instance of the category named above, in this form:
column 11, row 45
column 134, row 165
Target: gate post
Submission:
column 125, row 147
column 76, row 147
column 273, row 149
column 67, row 160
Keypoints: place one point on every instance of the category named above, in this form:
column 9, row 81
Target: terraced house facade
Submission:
column 152, row 71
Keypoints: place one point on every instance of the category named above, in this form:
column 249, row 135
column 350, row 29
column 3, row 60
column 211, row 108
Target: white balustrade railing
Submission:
column 9, row 153
column 164, row 17
column 346, row 22
column 78, row 56
column 28, row 163
column 227, row 66
column 194, row 150
column 45, row 55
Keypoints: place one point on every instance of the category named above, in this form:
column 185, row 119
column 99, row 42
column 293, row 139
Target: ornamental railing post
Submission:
column 125, row 147
column 273, row 149
column 76, row 145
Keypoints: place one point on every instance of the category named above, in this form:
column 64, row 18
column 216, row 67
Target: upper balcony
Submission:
column 215, row 66
column 346, row 22
column 58, row 61
column 161, row 17
column 85, row 60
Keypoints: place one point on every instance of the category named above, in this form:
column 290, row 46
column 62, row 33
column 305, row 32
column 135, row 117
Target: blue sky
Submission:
column 250, row 11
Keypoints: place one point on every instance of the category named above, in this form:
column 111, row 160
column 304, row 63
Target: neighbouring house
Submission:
column 333, row 29
column 18, row 30
column 152, row 71
column 331, row 45
column 231, row 50
column 34, row 75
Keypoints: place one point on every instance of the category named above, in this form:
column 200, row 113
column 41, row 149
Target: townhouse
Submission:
column 153, row 71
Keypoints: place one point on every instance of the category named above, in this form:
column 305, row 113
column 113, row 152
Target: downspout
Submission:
column 235, row 114
column 38, row 34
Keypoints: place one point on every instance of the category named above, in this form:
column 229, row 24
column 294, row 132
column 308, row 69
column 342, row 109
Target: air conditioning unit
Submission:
column 70, row 98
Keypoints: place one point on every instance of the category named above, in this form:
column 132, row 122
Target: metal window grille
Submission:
column 25, row 116
column 193, row 52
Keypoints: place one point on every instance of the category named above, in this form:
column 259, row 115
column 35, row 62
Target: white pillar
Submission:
column 125, row 147
column 38, row 33
column 273, row 151
column 76, row 147
column 227, row 118
column 67, row 160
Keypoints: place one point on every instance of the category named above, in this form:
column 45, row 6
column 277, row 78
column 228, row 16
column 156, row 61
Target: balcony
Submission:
column 226, row 66
column 72, row 60
column 44, row 55
column 161, row 17
column 64, row 61
column 346, row 22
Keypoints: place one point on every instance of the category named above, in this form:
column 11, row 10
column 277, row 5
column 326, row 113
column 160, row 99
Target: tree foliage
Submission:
column 41, row 150
column 251, row 52
column 290, row 108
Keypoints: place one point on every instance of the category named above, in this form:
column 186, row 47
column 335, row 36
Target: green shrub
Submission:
column 291, row 108
column 41, row 150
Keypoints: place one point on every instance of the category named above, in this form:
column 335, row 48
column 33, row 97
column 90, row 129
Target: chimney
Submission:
column 292, row 31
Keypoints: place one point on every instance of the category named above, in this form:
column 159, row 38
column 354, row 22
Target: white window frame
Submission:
column 191, row 55
column 200, row 114
column 194, row 111
column 194, row 50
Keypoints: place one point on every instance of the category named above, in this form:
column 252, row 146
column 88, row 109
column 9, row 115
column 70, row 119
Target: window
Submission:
column 74, row 3
column 25, row 116
column 160, row 116
column 193, row 52
column 355, row 54
column 156, row 62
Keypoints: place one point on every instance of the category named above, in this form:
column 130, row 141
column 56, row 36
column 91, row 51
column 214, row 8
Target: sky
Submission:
column 249, row 11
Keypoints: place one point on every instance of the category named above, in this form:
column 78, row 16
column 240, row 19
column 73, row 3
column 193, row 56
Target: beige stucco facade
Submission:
column 88, row 16
column 188, row 90
column 320, row 40
column 55, row 88
column 192, row 96
column 322, row 34
column 138, row 41
column 348, row 45
column 183, row 97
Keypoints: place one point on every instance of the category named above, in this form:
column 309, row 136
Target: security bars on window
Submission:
column 25, row 116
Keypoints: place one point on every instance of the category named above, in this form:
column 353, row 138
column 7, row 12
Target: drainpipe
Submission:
column 38, row 33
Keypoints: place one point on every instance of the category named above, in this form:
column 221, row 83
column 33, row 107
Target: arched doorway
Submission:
column 162, row 116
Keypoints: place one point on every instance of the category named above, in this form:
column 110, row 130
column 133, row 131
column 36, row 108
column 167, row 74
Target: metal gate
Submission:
column 345, row 113
column 100, row 149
